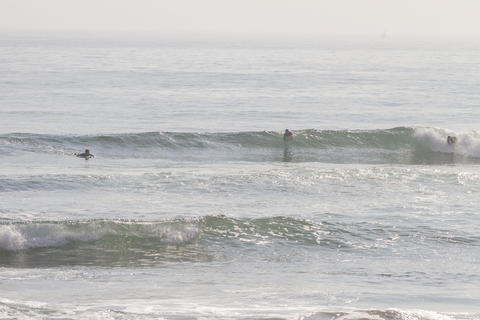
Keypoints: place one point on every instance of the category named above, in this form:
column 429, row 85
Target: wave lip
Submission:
column 22, row 236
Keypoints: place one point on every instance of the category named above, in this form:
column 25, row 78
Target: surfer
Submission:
column 86, row 155
column 451, row 140
column 288, row 135
column 287, row 154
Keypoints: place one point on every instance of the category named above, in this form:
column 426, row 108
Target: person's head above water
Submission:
column 85, row 155
column 451, row 140
column 288, row 135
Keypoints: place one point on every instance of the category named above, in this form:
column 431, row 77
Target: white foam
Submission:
column 20, row 237
column 39, row 235
column 423, row 314
column 11, row 238
column 176, row 234
column 351, row 314
column 467, row 143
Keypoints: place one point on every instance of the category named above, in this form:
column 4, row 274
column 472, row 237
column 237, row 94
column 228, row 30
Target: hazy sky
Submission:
column 325, row 17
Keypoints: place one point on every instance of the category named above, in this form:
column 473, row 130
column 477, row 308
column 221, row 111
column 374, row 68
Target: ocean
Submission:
column 194, row 207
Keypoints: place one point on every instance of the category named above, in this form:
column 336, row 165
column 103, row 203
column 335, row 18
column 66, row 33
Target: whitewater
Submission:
column 194, row 206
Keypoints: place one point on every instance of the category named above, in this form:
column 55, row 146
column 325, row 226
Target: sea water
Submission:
column 195, row 208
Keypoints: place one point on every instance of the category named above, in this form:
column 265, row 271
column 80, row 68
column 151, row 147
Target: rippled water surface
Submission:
column 195, row 208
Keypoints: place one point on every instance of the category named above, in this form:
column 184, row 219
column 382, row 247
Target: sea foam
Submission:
column 25, row 236
column 21, row 236
column 467, row 144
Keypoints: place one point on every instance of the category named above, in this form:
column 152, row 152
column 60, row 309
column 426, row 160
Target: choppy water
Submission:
column 195, row 208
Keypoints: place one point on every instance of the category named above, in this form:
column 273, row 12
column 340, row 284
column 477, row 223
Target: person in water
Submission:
column 288, row 135
column 287, row 154
column 86, row 155
column 451, row 140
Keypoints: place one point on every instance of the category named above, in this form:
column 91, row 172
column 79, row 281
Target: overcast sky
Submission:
column 323, row 17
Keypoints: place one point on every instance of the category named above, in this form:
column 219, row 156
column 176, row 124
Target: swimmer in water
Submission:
column 451, row 140
column 288, row 135
column 86, row 155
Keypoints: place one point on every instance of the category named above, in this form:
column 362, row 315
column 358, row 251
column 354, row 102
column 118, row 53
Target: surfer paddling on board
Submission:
column 288, row 135
column 86, row 155
column 451, row 140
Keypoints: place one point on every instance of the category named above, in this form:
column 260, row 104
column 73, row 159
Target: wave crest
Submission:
column 421, row 145
column 389, row 314
column 21, row 236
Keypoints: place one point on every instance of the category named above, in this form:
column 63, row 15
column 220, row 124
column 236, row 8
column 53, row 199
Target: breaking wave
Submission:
column 396, row 145
column 39, row 310
column 21, row 236
column 195, row 239
column 389, row 314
